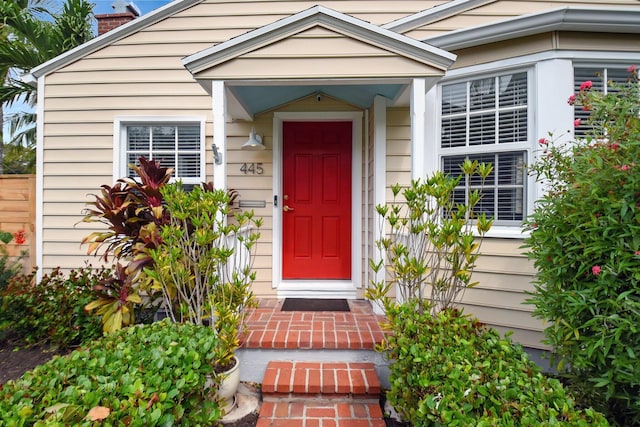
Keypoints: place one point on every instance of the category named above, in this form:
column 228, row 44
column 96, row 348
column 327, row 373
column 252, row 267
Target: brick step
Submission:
column 332, row 379
column 269, row 329
column 320, row 394
column 319, row 412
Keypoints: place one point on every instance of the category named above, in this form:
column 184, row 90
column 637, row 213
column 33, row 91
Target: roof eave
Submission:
column 434, row 14
column 625, row 20
column 109, row 37
column 316, row 15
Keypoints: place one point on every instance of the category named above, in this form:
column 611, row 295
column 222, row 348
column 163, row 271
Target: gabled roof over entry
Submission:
column 402, row 56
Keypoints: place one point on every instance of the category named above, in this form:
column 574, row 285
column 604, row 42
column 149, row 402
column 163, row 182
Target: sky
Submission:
column 101, row 7
column 145, row 6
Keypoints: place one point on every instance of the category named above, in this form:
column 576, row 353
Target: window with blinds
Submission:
column 503, row 192
column 487, row 120
column 175, row 146
column 599, row 76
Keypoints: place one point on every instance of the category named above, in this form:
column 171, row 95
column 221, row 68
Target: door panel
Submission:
column 316, row 200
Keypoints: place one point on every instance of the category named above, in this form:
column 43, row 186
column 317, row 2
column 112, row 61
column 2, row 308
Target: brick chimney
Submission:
column 123, row 12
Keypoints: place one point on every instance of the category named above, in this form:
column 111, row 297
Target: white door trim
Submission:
column 320, row 288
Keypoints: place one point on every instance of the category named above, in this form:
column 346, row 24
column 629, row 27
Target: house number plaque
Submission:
column 252, row 169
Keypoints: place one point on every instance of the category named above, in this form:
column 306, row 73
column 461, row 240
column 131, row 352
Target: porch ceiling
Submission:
column 254, row 99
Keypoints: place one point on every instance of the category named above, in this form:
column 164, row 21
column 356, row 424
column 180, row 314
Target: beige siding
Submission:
column 504, row 275
column 605, row 42
column 398, row 161
column 142, row 75
column 502, row 50
column 546, row 42
column 317, row 53
column 500, row 10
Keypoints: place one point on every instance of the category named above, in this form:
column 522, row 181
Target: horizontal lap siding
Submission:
column 81, row 104
column 501, row 10
column 142, row 75
column 504, row 276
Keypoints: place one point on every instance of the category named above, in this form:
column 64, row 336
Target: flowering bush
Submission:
column 585, row 242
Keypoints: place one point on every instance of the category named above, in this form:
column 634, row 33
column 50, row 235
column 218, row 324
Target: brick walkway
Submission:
column 317, row 394
column 271, row 328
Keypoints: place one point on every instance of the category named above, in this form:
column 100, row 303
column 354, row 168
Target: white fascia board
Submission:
column 317, row 15
column 591, row 19
column 435, row 14
column 108, row 38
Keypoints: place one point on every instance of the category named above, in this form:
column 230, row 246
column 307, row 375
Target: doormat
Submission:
column 304, row 304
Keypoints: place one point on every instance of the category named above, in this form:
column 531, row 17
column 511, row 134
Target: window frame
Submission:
column 120, row 167
column 501, row 228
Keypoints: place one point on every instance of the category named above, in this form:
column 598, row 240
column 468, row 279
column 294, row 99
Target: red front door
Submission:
column 316, row 201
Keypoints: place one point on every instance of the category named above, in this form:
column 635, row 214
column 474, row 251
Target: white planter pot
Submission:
column 225, row 395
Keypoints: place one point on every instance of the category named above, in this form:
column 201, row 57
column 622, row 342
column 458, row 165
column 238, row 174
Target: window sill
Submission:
column 505, row 232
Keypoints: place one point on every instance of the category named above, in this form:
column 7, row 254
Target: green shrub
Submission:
column 53, row 310
column 145, row 375
column 585, row 242
column 433, row 241
column 450, row 370
column 204, row 264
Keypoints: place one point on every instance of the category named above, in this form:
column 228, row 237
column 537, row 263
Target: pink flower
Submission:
column 577, row 122
column 632, row 69
column 572, row 99
column 625, row 168
column 615, row 146
column 637, row 253
column 596, row 270
column 543, row 141
column 586, row 85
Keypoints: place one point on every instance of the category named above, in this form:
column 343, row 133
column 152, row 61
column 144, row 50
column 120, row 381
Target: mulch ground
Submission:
column 16, row 357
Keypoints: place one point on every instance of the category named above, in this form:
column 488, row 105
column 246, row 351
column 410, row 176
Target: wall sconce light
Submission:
column 217, row 157
column 254, row 143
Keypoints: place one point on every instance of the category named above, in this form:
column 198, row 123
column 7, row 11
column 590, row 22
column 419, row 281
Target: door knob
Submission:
column 287, row 208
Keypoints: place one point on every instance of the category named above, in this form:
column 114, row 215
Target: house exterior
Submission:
column 348, row 98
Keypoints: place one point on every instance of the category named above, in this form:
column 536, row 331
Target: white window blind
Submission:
column 487, row 119
column 503, row 192
column 598, row 76
column 485, row 111
column 175, row 146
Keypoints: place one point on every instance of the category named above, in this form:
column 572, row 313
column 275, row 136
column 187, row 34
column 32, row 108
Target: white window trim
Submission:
column 498, row 230
column 543, row 121
column 119, row 139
